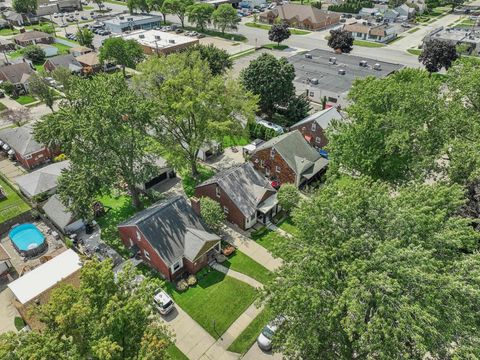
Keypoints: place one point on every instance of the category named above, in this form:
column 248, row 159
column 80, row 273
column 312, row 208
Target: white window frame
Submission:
column 314, row 126
column 262, row 163
column 272, row 153
column 139, row 237
column 28, row 157
column 217, row 191
column 318, row 140
column 225, row 210
column 278, row 169
column 267, row 171
column 176, row 265
column 146, row 254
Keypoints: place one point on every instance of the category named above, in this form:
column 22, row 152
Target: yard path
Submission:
column 251, row 248
column 237, row 275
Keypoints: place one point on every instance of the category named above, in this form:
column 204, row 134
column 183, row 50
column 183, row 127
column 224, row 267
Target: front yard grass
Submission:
column 25, row 99
column 269, row 239
column 416, row 52
column 229, row 141
column 267, row 27
column 215, row 302
column 242, row 263
column 288, row 226
column 369, row 44
column 245, row 340
column 189, row 182
column 275, row 47
column 172, row 350
column 13, row 205
column 411, row 31
column 6, row 31
column 62, row 48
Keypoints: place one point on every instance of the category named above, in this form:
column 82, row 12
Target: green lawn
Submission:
column 288, row 226
column 216, row 299
column 25, row 99
column 275, row 47
column 229, row 141
column 248, row 336
column 242, row 54
column 268, row 239
column 13, row 205
column 15, row 54
column 5, row 32
column 38, row 67
column 62, row 49
column 414, row 51
column 116, row 2
column 267, row 27
column 242, row 263
column 411, row 31
column 88, row 7
column 121, row 209
column 189, row 182
column 2, row 106
column 173, row 351
column 369, row 44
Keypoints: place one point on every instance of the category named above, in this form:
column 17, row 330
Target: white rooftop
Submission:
column 126, row 19
column 42, row 278
column 158, row 39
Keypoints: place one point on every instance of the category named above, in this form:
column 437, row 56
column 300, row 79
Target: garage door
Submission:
column 155, row 180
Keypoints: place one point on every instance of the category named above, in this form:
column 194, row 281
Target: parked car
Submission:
column 163, row 302
column 200, row 36
column 84, row 18
column 55, row 15
column 179, row 31
column 264, row 340
column 406, row 25
column 193, row 33
column 2, row 94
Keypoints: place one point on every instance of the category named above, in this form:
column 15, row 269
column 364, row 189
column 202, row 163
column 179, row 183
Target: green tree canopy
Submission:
column 437, row 54
column 212, row 213
column 85, row 37
column 25, row 6
column 102, row 130
column 127, row 53
column 200, row 14
column 278, row 33
column 218, row 59
column 104, row 318
column 271, row 79
column 177, row 7
column 372, row 274
column 340, row 40
column 34, row 53
column 39, row 87
column 193, row 107
column 288, row 197
column 225, row 17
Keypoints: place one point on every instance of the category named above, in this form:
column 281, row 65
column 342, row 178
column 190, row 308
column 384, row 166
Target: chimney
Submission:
column 195, row 202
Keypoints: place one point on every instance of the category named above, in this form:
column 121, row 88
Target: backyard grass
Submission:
column 15, row 54
column 242, row 263
column 414, row 51
column 13, row 205
column 369, row 44
column 215, row 302
column 118, row 209
column 267, row 27
column 2, row 106
column 88, row 8
column 245, row 340
column 288, row 226
column 25, row 99
column 62, row 49
column 5, row 32
column 172, row 350
column 268, row 239
column 116, row 2
column 38, row 67
column 411, row 31
column 275, row 47
column 189, row 182
column 229, row 141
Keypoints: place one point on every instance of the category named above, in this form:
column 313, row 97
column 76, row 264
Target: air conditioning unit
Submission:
column 363, row 63
column 141, row 36
column 342, row 71
column 171, row 41
column 121, row 17
column 377, row 66
column 308, row 56
column 332, row 60
column 129, row 19
column 314, row 81
column 157, row 37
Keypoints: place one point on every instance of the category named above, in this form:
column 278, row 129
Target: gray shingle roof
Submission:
column 322, row 118
column 173, row 229
column 32, row 35
column 21, row 140
column 57, row 212
column 68, row 61
column 245, row 186
column 41, row 180
column 15, row 72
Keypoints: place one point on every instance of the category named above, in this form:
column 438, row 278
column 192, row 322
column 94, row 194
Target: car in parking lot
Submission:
column 200, row 36
column 83, row 17
column 179, row 31
column 163, row 302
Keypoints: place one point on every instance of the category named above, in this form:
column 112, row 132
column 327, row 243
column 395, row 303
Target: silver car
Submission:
column 163, row 302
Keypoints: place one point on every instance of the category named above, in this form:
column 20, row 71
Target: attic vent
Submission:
column 141, row 36
column 171, row 41
column 332, row 60
column 121, row 17
column 363, row 63
column 314, row 81
column 342, row 71
column 129, row 19
column 308, row 56
column 157, row 37
column 377, row 66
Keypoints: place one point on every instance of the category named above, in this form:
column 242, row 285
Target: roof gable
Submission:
column 15, row 72
column 322, row 118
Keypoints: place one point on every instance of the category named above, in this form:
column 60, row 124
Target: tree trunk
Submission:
column 164, row 18
column 182, row 21
column 194, row 167
column 135, row 197
column 123, row 71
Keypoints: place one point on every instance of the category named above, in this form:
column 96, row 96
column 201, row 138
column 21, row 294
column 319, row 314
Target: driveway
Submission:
column 11, row 169
column 7, row 312
column 256, row 354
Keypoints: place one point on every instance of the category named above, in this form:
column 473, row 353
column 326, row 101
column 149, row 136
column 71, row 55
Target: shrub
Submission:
column 288, row 196
column 212, row 213
column 8, row 87
column 60, row 157
column 182, row 285
column 19, row 323
column 192, row 280
column 34, row 53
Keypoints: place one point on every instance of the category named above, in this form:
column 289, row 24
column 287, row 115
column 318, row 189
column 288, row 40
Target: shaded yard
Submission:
column 13, row 205
column 215, row 302
column 288, row 226
column 25, row 99
column 268, row 239
column 242, row 263
column 245, row 340
column 189, row 182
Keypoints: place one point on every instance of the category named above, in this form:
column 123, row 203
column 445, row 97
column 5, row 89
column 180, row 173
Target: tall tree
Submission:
column 288, row 197
column 340, row 40
column 127, row 53
column 387, row 138
column 34, row 53
column 63, row 76
column 193, row 106
column 157, row 5
column 212, row 213
column 218, row 59
column 225, row 17
column 437, row 54
column 99, row 4
column 39, row 87
column 200, row 14
column 25, row 6
column 102, row 130
column 104, row 318
column 177, row 7
column 278, row 33
column 371, row 273
column 85, row 37
column 271, row 79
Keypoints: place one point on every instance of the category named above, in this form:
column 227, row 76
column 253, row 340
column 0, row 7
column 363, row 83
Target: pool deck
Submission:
column 55, row 247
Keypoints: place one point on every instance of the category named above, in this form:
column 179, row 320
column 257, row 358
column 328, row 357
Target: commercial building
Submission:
column 324, row 74
column 122, row 23
column 457, row 36
column 301, row 16
column 48, row 7
column 160, row 42
column 362, row 30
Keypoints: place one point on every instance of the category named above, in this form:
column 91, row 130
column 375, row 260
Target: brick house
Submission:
column 313, row 128
column 26, row 149
column 66, row 61
column 301, row 16
column 288, row 158
column 17, row 74
column 171, row 238
column 33, row 37
column 245, row 196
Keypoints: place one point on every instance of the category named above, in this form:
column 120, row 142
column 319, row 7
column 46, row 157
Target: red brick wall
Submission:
column 36, row 159
column 130, row 232
column 234, row 214
column 306, row 130
column 286, row 175
column 193, row 268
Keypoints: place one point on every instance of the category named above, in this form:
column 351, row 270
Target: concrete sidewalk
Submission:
column 251, row 249
column 237, row 275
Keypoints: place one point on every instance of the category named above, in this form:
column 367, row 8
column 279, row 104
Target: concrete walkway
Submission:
column 237, row 275
column 251, row 248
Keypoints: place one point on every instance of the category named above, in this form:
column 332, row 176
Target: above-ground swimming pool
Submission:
column 28, row 240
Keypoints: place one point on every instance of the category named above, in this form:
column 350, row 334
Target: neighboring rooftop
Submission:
column 244, row 186
column 57, row 212
column 21, row 139
column 89, row 59
column 41, row 180
column 158, row 39
column 66, row 61
column 16, row 72
column 323, row 118
column 456, row 35
column 127, row 19
column 31, row 35
column 301, row 13
column 173, row 229
column 322, row 72
column 42, row 278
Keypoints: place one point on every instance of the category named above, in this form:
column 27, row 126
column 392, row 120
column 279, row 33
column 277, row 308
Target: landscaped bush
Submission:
column 61, row 157
column 228, row 250
column 192, row 280
column 19, row 323
column 181, row 285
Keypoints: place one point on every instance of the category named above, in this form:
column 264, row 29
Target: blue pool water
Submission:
column 26, row 237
